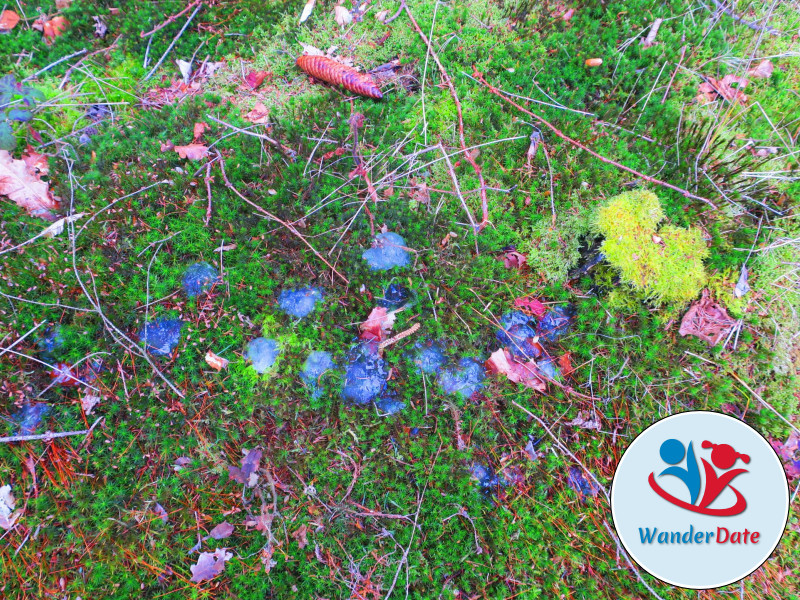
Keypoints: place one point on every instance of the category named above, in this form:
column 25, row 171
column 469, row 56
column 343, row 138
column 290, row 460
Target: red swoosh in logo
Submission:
column 739, row 507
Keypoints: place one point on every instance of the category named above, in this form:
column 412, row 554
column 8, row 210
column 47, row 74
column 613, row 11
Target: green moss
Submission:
column 665, row 265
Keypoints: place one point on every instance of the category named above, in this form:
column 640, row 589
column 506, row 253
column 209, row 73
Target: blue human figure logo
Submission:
column 672, row 452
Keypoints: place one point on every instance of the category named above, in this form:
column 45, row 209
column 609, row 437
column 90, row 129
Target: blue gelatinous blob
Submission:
column 365, row 374
column 582, row 486
column 198, row 278
column 486, row 477
column 429, row 357
column 395, row 296
column 549, row 368
column 388, row 404
column 316, row 365
column 161, row 336
column 300, row 302
column 51, row 341
column 466, row 378
column 263, row 353
column 29, row 417
column 388, row 251
column 556, row 322
column 516, row 333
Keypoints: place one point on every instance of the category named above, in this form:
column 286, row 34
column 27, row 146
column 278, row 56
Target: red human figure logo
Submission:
column 723, row 456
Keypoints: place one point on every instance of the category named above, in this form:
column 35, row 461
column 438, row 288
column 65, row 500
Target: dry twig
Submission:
column 480, row 79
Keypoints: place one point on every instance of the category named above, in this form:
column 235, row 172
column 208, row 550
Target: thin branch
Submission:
column 480, row 79
column 290, row 154
column 172, row 44
column 449, row 82
column 48, row 435
column 288, row 226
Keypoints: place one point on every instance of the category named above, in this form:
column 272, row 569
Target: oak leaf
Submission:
column 192, row 151
column 713, row 88
column 24, row 188
column 221, row 531
column 209, row 565
column 255, row 78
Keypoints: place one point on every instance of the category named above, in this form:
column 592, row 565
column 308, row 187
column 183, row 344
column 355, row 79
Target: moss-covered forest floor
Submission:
column 204, row 482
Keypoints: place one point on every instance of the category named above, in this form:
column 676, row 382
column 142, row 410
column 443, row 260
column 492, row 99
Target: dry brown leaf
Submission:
column 301, row 535
column 8, row 516
column 8, row 20
column 707, row 320
column 378, row 325
column 255, row 78
column 342, row 16
column 88, row 402
column 51, row 28
column 712, row 88
column 62, row 4
column 221, row 531
column 501, row 362
column 24, row 187
column 37, row 163
column 259, row 114
column 199, row 129
column 248, row 473
column 762, row 70
column 192, row 151
column 209, row 565
column 216, row 362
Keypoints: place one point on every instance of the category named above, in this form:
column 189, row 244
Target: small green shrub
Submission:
column 664, row 264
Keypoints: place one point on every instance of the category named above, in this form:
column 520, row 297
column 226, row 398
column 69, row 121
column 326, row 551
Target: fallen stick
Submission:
column 291, row 154
column 752, row 25
column 477, row 76
column 172, row 44
column 467, row 156
column 169, row 20
column 48, row 435
column 268, row 214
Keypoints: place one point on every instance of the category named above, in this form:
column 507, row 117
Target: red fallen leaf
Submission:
column 255, row 78
column 707, row 320
column 216, row 362
column 199, row 129
column 247, row 474
column 209, row 565
column 301, row 535
column 378, row 325
column 51, row 28
column 762, row 70
column 8, row 20
column 532, row 304
column 192, row 151
column 63, row 375
column 565, row 364
column 259, row 114
column 712, row 88
column 36, row 163
column 514, row 260
column 501, row 362
column 221, row 531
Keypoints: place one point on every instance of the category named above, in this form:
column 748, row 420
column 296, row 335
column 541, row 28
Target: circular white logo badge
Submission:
column 700, row 500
